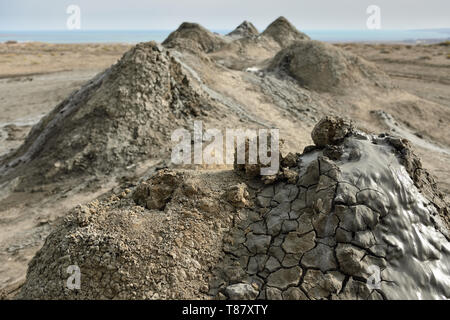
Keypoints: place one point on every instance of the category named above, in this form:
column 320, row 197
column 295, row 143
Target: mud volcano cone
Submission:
column 356, row 218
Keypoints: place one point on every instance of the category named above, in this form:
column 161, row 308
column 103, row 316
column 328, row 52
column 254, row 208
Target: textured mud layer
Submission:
column 357, row 209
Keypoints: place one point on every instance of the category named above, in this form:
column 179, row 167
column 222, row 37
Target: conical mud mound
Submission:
column 245, row 30
column 283, row 32
column 353, row 217
column 191, row 35
column 124, row 115
column 324, row 67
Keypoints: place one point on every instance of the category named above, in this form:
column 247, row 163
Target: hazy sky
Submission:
column 225, row 14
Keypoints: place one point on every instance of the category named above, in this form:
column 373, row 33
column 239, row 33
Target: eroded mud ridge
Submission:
column 349, row 206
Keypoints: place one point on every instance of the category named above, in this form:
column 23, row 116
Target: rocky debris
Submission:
column 194, row 34
column 245, row 30
column 323, row 67
column 283, row 32
column 124, row 115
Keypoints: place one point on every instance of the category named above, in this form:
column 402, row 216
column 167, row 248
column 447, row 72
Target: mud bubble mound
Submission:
column 192, row 35
column 245, row 30
column 120, row 117
column 283, row 32
column 324, row 67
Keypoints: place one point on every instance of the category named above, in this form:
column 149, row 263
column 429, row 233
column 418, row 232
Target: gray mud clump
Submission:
column 324, row 67
column 190, row 35
column 353, row 219
column 122, row 116
column 283, row 32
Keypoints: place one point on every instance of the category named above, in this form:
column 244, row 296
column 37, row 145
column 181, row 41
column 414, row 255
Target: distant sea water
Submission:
column 135, row 36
